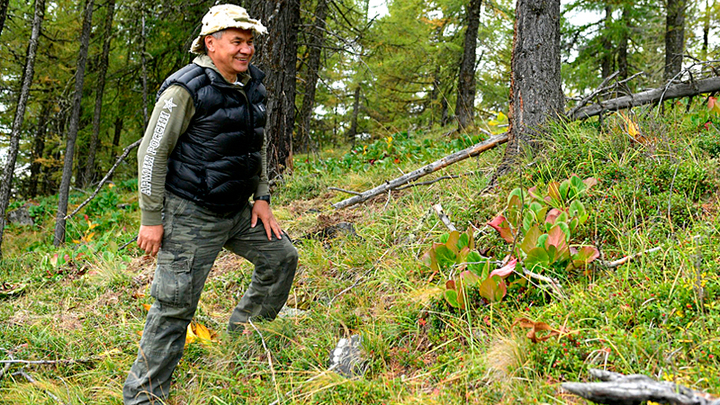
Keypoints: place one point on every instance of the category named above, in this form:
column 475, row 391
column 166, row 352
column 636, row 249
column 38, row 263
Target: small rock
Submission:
column 21, row 216
column 346, row 359
column 289, row 312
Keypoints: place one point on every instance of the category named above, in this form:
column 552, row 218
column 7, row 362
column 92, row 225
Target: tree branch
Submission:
column 425, row 170
column 122, row 157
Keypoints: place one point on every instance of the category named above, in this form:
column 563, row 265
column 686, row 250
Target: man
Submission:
column 202, row 157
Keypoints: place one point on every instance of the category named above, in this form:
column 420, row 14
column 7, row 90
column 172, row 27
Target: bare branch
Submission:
column 122, row 157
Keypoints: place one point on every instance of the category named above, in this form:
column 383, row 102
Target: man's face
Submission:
column 232, row 52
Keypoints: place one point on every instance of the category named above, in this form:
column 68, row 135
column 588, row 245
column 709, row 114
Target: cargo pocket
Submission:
column 172, row 284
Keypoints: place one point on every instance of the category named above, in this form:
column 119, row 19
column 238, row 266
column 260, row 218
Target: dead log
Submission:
column 620, row 389
column 474, row 150
column 648, row 97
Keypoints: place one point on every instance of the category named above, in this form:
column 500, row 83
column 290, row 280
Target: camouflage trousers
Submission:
column 193, row 237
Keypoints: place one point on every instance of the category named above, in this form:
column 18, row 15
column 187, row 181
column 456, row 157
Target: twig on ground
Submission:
column 32, row 381
column 360, row 278
column 444, row 218
column 110, row 172
column 62, row 361
column 555, row 284
column 344, row 191
column 269, row 356
column 626, row 259
column 433, row 181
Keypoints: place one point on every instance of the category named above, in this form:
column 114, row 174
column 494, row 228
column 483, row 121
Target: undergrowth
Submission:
column 83, row 305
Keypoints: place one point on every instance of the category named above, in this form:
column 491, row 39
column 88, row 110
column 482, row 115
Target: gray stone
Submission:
column 346, row 359
column 21, row 217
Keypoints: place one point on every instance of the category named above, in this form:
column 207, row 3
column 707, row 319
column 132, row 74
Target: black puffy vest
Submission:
column 216, row 162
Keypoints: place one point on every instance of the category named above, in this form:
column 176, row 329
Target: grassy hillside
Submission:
column 83, row 306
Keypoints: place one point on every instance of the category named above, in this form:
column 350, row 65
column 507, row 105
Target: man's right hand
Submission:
column 149, row 238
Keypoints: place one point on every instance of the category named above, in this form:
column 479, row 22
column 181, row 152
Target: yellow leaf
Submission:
column 146, row 306
column 190, row 337
column 501, row 116
column 203, row 333
column 110, row 352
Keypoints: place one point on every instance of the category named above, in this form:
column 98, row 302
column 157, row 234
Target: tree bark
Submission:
column 465, row 105
column 38, row 149
column 63, row 193
column 315, row 43
column 536, row 86
column 89, row 174
column 706, row 30
column 277, row 58
column 27, row 77
column 607, row 60
column 674, row 37
column 117, row 131
column 4, row 5
column 622, row 49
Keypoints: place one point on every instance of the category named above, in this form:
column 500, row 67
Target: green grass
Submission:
column 657, row 315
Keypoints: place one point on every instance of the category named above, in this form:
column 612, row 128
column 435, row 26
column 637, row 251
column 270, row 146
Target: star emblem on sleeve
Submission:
column 169, row 105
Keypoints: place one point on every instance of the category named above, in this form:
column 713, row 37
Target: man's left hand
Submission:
column 261, row 210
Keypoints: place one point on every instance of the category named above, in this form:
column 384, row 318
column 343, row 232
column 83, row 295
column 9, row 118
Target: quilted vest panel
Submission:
column 216, row 163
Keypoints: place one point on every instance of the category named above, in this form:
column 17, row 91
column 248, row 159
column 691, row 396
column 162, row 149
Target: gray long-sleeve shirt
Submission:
column 170, row 119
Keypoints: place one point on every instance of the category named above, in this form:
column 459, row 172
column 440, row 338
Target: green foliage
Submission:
column 541, row 225
column 402, row 147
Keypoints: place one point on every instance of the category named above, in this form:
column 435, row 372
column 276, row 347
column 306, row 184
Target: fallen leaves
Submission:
column 536, row 327
column 196, row 332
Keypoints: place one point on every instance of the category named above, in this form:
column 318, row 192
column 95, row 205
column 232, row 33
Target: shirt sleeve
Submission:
column 170, row 118
column 263, row 187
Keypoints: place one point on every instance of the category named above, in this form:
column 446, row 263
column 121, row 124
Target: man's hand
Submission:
column 261, row 209
column 150, row 237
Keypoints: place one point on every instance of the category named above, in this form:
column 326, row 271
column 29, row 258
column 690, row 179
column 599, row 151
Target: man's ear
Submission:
column 209, row 43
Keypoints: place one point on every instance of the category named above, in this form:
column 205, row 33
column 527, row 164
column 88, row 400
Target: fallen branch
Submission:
column 648, row 97
column 433, row 181
column 32, row 381
column 621, row 261
column 444, row 218
column 617, row 388
column 555, row 284
column 344, row 191
column 110, row 172
column 425, row 170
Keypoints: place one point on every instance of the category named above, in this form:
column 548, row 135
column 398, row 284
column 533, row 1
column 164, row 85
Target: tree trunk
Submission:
column 465, row 106
column 706, row 30
column 315, row 43
column 27, row 77
column 674, row 37
column 4, row 5
column 354, row 120
column 622, row 49
column 38, row 149
column 607, row 60
column 89, row 174
column 117, row 131
column 536, row 86
column 277, row 58
column 72, row 132
column 143, row 63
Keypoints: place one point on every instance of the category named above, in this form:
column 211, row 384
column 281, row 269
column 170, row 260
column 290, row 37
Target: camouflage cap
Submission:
column 225, row 16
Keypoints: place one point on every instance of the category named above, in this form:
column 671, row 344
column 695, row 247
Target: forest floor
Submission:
column 78, row 311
